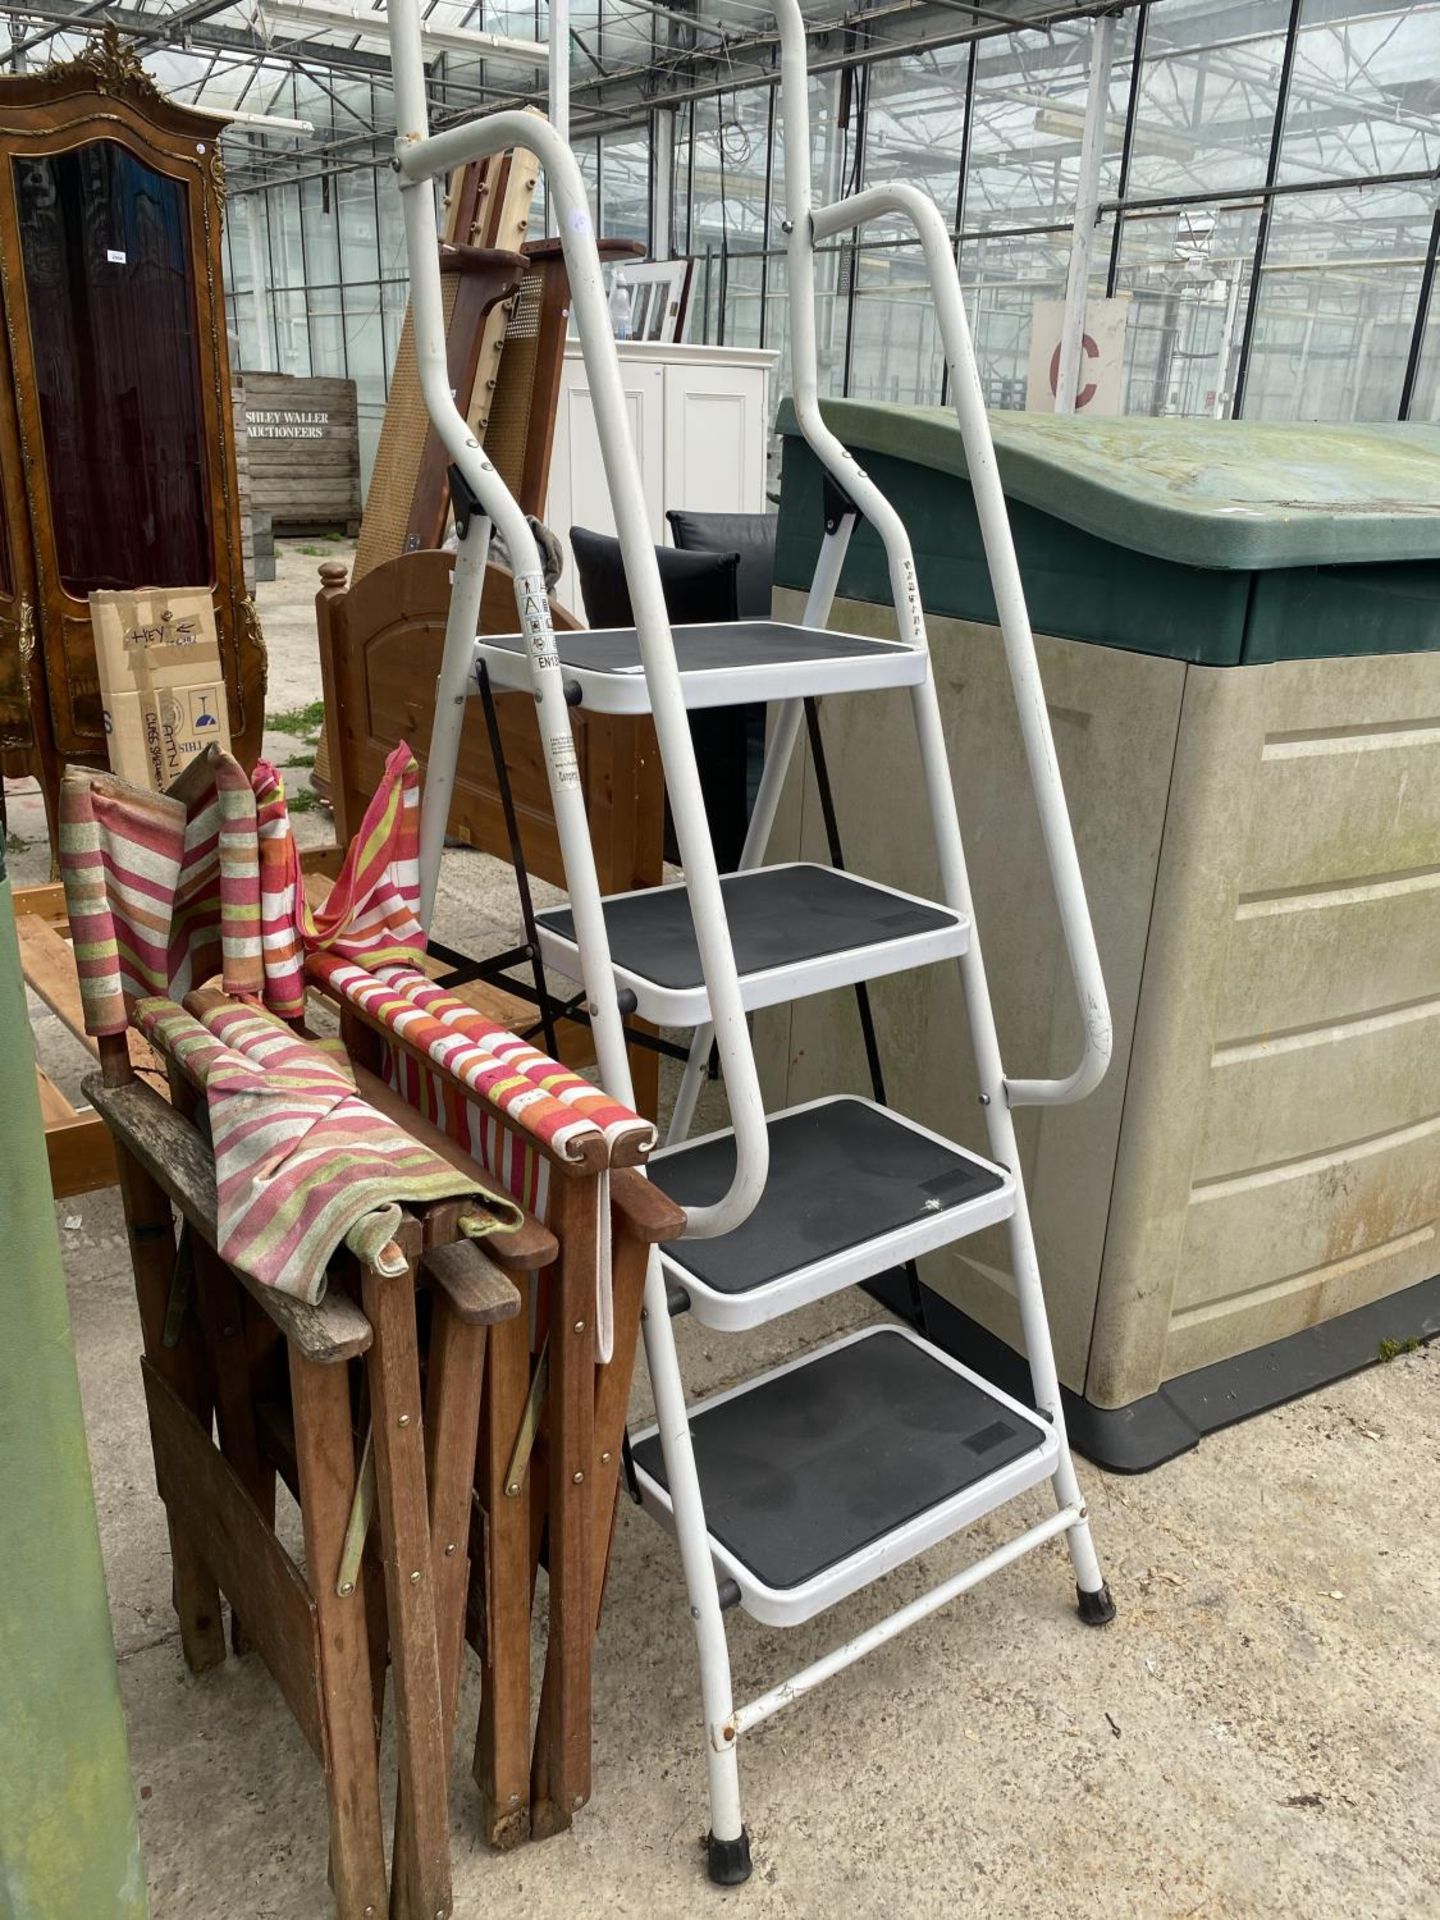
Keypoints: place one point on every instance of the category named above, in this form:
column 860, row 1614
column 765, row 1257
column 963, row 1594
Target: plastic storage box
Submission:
column 1242, row 656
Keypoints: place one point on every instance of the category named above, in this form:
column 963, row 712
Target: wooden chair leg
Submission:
column 453, row 1386
column 421, row 1867
column 327, row 1471
column 612, row 1398
column 454, row 1382
column 454, row 1374
column 560, row 1777
column 220, row 1304
column 502, row 1740
column 372, row 1572
column 612, row 1403
column 150, row 1225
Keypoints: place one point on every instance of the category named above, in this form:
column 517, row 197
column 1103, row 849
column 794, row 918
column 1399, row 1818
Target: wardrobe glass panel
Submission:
column 108, row 278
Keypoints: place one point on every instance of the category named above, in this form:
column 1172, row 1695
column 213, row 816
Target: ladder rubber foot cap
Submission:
column 1095, row 1609
column 729, row 1859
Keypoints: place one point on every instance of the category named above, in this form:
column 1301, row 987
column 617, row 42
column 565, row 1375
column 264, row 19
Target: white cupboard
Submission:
column 700, row 419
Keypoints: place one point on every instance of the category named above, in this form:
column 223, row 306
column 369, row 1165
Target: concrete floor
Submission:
column 1258, row 1733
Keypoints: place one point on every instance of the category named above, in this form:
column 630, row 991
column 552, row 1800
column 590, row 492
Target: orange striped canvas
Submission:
column 282, row 896
column 373, row 912
column 532, row 1091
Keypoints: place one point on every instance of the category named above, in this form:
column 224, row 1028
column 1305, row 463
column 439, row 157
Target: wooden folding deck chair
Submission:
column 565, row 1151
column 162, row 890
column 558, row 1380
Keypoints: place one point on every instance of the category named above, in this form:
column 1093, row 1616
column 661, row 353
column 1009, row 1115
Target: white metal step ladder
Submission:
column 783, row 1209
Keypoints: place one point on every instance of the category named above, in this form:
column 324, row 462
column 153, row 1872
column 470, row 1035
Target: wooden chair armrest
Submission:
column 630, row 1153
column 472, row 1283
column 173, row 1154
column 643, row 1210
column 594, row 1155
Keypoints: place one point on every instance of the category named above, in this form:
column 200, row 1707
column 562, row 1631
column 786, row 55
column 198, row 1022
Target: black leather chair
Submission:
column 698, row 588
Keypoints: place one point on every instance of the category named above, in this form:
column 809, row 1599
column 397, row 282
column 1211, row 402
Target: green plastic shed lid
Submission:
column 1234, row 494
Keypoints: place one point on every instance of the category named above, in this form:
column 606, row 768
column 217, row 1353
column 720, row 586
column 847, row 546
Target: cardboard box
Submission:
column 161, row 685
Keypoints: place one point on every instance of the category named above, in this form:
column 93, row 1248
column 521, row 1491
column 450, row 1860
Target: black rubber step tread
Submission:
column 840, row 1174
column 810, row 1466
column 703, row 649
column 779, row 917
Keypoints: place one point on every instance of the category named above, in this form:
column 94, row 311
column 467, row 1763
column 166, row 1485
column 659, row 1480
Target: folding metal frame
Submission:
column 420, row 159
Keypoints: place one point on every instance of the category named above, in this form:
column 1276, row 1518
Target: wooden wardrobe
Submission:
column 117, row 451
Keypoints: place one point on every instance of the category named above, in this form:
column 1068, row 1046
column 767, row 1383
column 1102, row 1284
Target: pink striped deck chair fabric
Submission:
column 535, row 1093
column 360, row 947
column 372, row 913
column 162, row 889
column 523, row 1100
column 302, row 1163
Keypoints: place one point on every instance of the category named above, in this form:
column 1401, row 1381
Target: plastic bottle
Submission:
column 620, row 308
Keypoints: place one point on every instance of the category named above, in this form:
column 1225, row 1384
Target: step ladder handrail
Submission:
column 806, row 225
column 421, row 157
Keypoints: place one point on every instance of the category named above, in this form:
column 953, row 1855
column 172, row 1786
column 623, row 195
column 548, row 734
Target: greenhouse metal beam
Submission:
column 161, row 26
column 1087, row 206
column 639, row 86
column 315, row 17
column 21, row 47
column 71, row 16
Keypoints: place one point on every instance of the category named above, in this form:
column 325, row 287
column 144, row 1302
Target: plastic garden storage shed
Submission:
column 1241, row 650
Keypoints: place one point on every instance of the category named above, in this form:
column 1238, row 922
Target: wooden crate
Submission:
column 76, row 1140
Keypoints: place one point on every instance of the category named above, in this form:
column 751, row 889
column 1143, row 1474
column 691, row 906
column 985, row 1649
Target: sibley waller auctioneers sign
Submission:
column 285, row 425
column 302, row 451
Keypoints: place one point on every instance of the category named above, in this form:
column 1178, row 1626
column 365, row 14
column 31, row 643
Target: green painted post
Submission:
column 69, row 1848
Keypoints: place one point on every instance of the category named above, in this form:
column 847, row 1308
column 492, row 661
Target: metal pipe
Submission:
column 316, row 16
column 1087, row 202
column 419, row 159
column 417, row 197
column 999, row 1094
column 1127, row 141
column 1242, row 199
column 452, row 691
column 418, row 202
column 799, row 1684
column 1227, row 335
column 661, row 194
column 1422, row 317
column 779, row 752
column 1262, row 229
column 984, row 474
column 692, row 1537
column 558, row 75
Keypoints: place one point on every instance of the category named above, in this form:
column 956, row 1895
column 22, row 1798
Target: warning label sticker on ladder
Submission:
column 562, row 760
column 535, row 618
